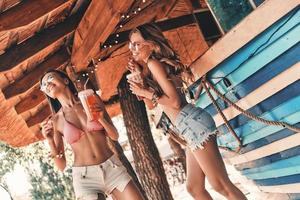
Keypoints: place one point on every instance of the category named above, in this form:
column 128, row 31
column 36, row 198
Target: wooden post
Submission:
column 147, row 161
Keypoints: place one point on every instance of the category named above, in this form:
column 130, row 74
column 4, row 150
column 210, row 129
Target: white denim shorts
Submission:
column 195, row 125
column 89, row 181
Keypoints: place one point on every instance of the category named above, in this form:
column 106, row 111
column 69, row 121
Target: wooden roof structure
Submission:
column 36, row 36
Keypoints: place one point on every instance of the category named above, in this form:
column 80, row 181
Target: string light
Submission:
column 124, row 16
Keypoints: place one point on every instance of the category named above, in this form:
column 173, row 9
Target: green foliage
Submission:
column 46, row 181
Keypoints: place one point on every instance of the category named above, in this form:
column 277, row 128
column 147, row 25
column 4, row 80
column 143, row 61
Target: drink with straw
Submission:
column 137, row 78
column 87, row 98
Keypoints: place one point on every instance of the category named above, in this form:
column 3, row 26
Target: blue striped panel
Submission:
column 267, row 140
column 231, row 63
column 279, row 181
column 264, row 132
column 295, row 151
column 251, row 130
column 280, row 97
column 272, row 69
column 256, row 62
column 295, row 196
column 286, row 167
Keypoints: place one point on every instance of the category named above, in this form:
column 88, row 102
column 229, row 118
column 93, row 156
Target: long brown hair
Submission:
column 163, row 51
column 54, row 103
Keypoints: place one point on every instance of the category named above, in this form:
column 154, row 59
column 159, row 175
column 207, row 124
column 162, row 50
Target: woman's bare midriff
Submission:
column 172, row 112
column 91, row 149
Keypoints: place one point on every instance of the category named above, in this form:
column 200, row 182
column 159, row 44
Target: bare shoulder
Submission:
column 156, row 67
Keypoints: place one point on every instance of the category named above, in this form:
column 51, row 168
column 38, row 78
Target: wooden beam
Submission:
column 31, row 78
column 5, row 5
column 39, row 117
column 23, row 52
column 164, row 25
column 27, row 12
column 97, row 24
column 31, row 100
column 241, row 35
column 34, row 111
column 161, row 8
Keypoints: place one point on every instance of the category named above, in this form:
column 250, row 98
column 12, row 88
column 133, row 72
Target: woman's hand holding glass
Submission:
column 139, row 90
column 97, row 109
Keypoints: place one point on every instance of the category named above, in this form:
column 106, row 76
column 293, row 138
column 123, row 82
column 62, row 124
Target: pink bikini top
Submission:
column 72, row 134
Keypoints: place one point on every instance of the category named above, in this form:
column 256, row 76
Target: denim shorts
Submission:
column 195, row 125
column 89, row 181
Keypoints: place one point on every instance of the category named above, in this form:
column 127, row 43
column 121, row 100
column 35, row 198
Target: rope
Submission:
column 217, row 107
column 248, row 114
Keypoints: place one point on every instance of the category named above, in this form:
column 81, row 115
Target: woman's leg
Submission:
column 130, row 192
column 211, row 163
column 195, row 183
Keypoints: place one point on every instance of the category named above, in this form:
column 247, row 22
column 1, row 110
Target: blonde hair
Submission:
column 163, row 51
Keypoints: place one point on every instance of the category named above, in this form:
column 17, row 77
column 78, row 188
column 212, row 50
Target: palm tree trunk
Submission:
column 147, row 161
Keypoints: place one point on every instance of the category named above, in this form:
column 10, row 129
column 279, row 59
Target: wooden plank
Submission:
column 21, row 53
column 241, row 34
column 34, row 111
column 161, row 8
column 275, row 147
column 39, row 117
column 31, row 100
column 252, row 131
column 263, row 92
column 279, row 181
column 285, row 188
column 237, row 72
column 6, row 4
column 31, row 78
column 27, row 12
column 97, row 24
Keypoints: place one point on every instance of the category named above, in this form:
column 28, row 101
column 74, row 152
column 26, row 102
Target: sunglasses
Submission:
column 45, row 83
column 136, row 45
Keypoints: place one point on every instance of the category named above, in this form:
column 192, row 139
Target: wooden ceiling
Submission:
column 36, row 36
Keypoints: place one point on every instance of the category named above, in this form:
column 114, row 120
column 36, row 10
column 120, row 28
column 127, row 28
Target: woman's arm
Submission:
column 57, row 151
column 55, row 142
column 170, row 96
column 108, row 125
